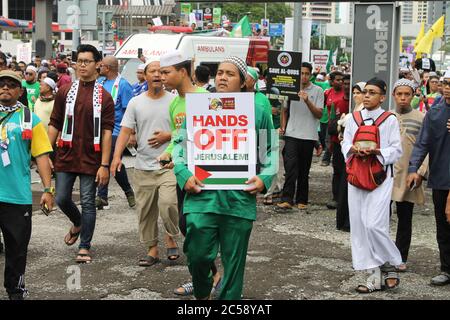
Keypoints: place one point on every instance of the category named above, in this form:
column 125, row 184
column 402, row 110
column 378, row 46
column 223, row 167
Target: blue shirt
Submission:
column 139, row 88
column 434, row 139
column 123, row 97
column 15, row 178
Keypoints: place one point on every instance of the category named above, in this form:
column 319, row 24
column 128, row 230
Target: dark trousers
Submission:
column 338, row 169
column 297, row 154
column 404, row 228
column 342, row 213
column 121, row 177
column 15, row 222
column 324, row 141
column 64, row 188
column 442, row 228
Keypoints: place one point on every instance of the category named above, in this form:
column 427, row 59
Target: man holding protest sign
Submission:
column 222, row 218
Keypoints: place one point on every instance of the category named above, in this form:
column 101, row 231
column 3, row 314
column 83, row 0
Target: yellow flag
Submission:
column 420, row 35
column 436, row 31
column 401, row 44
column 438, row 27
column 425, row 44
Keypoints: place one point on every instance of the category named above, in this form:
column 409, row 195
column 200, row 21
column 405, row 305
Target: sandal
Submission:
column 372, row 284
column 148, row 261
column 83, row 258
column 391, row 276
column 268, row 201
column 173, row 253
column 71, row 238
column 188, row 289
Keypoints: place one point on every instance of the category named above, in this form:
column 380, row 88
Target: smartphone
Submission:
column 45, row 209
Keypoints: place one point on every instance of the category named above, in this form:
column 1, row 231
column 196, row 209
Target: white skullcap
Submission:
column 141, row 66
column 44, row 62
column 404, row 83
column 320, row 77
column 151, row 60
column 32, row 68
column 50, row 82
column 172, row 58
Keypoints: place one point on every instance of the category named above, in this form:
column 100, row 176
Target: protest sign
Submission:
column 221, row 144
column 284, row 72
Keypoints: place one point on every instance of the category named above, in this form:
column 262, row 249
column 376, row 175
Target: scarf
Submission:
column 68, row 127
column 26, row 123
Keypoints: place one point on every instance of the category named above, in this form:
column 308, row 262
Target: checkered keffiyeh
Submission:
column 239, row 63
column 404, row 83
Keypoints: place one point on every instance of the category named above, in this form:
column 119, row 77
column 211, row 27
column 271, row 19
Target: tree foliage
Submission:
column 276, row 12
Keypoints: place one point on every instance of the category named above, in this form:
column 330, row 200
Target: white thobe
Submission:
column 369, row 210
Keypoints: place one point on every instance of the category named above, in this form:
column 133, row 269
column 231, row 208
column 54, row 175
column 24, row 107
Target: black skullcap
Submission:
column 378, row 83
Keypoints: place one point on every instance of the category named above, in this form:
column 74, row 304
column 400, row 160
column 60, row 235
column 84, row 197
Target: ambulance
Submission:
column 203, row 49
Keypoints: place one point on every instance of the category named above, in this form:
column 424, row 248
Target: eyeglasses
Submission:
column 446, row 83
column 370, row 93
column 9, row 84
column 29, row 73
column 84, row 62
column 434, row 82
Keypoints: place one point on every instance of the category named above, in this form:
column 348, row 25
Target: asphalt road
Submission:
column 294, row 256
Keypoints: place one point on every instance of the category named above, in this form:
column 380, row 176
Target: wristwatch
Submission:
column 105, row 166
column 50, row 190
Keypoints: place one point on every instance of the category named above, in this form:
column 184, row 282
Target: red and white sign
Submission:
column 221, row 144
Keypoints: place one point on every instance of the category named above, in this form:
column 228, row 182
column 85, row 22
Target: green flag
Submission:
column 330, row 61
column 242, row 29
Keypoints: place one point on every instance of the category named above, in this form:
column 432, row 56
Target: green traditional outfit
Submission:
column 221, row 219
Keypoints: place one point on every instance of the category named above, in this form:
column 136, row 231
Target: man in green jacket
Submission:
column 218, row 218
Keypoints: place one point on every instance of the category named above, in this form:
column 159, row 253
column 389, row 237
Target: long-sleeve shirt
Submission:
column 227, row 202
column 81, row 158
column 434, row 139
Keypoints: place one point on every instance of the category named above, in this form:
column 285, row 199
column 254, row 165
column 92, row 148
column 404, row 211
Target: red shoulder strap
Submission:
column 357, row 116
column 382, row 118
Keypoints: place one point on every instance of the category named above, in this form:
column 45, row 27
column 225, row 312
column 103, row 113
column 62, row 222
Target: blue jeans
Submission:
column 86, row 219
column 121, row 177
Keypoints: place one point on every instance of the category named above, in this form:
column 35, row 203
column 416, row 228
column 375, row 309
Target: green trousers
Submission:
column 206, row 232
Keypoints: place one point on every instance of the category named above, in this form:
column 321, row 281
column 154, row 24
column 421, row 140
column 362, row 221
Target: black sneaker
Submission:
column 101, row 204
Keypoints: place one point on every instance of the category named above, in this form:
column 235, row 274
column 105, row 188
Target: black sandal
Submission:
column 72, row 236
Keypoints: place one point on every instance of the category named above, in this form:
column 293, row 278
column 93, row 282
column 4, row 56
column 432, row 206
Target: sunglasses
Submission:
column 9, row 84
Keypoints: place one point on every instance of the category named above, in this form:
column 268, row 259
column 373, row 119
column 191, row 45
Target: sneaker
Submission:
column 332, row 204
column 131, row 199
column 284, row 205
column 101, row 204
column 441, row 280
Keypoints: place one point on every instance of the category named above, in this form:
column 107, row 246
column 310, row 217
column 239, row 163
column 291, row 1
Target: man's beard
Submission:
column 156, row 90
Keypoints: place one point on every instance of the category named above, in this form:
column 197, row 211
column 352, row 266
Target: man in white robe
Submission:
column 372, row 248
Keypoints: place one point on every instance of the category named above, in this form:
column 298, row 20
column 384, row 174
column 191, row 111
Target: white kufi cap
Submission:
column 172, row 58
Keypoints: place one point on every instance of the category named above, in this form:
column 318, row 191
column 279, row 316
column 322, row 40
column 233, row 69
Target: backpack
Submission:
column 366, row 172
